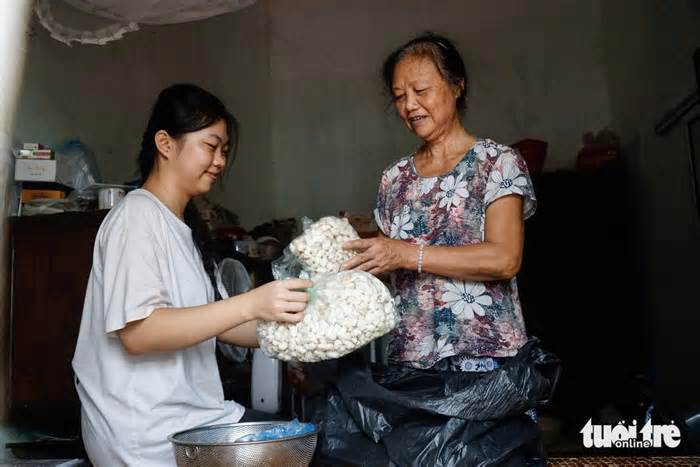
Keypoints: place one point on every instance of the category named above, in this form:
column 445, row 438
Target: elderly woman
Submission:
column 463, row 373
column 452, row 216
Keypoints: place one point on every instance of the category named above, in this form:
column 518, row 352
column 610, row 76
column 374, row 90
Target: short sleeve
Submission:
column 381, row 214
column 133, row 267
column 509, row 176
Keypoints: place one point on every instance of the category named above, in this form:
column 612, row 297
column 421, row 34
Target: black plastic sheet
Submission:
column 408, row 417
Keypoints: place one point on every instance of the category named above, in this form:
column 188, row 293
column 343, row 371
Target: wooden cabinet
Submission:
column 52, row 257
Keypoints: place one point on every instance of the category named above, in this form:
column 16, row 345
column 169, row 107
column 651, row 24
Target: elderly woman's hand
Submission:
column 377, row 255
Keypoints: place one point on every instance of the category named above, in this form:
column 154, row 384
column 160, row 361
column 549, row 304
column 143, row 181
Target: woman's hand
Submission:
column 281, row 301
column 167, row 329
column 377, row 255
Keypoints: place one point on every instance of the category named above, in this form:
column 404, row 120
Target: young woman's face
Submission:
column 424, row 100
column 201, row 158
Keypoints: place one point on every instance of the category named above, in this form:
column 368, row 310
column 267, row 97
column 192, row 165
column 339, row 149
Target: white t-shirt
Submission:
column 144, row 259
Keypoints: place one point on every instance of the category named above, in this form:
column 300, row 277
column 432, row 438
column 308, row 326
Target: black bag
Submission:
column 407, row 417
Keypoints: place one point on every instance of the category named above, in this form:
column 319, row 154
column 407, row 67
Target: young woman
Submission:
column 144, row 362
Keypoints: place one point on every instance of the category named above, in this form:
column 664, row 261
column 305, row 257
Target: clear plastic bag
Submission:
column 281, row 431
column 76, row 165
column 347, row 309
column 288, row 266
column 317, row 250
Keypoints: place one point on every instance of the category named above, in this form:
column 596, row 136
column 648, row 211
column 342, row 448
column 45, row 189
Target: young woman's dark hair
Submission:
column 181, row 109
column 442, row 52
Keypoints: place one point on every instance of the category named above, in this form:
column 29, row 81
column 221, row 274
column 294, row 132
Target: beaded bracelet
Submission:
column 421, row 253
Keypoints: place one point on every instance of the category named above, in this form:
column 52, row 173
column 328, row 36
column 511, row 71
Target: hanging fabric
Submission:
column 128, row 14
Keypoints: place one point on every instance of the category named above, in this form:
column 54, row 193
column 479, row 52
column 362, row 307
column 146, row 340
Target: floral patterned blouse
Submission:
column 443, row 317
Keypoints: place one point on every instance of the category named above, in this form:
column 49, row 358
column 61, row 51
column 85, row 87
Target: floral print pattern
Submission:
column 453, row 191
column 506, row 181
column 401, row 226
column 466, row 298
column 443, row 317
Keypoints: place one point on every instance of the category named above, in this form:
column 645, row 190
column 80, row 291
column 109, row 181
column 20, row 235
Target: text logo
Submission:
column 627, row 436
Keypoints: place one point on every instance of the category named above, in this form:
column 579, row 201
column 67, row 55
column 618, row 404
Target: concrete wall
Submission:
column 303, row 77
column 102, row 94
column 536, row 69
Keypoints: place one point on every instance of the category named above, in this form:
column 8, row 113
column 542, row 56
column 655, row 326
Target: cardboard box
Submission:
column 35, row 170
column 29, row 194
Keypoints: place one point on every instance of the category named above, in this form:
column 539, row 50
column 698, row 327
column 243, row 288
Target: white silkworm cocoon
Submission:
column 320, row 248
column 347, row 311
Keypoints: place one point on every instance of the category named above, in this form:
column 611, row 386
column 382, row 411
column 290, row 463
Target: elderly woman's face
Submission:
column 425, row 101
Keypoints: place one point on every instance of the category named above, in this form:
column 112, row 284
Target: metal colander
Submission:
column 215, row 446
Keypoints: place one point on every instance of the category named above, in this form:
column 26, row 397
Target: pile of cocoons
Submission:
column 347, row 310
